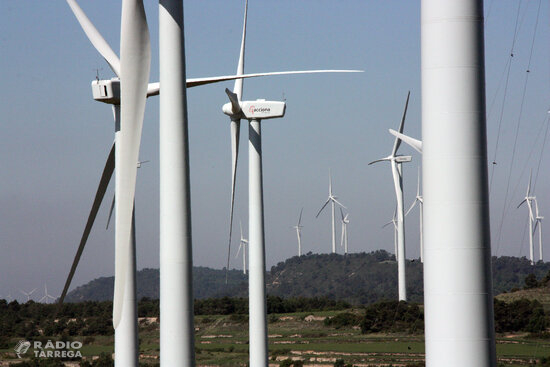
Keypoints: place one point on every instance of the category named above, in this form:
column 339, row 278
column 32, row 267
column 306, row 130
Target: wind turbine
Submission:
column 254, row 112
column 528, row 200
column 242, row 244
column 131, row 87
column 394, row 222
column 46, row 295
column 344, row 239
column 332, row 200
column 298, row 227
column 420, row 200
column 233, row 110
column 396, row 162
column 417, row 145
column 28, row 294
column 538, row 222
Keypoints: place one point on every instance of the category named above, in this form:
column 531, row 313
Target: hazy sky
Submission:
column 55, row 137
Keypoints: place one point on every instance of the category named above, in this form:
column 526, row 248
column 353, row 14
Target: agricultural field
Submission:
column 221, row 340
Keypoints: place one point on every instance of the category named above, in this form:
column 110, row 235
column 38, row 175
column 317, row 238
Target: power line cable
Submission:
column 509, row 65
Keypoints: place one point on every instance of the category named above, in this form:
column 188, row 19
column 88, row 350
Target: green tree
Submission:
column 531, row 281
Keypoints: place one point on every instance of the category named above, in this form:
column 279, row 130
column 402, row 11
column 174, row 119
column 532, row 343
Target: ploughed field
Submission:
column 306, row 337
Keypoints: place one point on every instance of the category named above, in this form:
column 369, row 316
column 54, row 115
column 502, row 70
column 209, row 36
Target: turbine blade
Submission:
column 323, row 207
column 300, row 217
column 411, row 207
column 95, row 37
column 100, row 193
column 520, row 204
column 414, row 143
column 235, row 133
column 342, row 214
column 234, row 98
column 530, row 210
column 153, row 89
column 110, row 212
column 339, row 203
column 238, row 88
column 135, row 58
column 529, row 185
column 380, row 160
column 387, row 224
column 329, row 183
column 397, row 142
column 194, row 82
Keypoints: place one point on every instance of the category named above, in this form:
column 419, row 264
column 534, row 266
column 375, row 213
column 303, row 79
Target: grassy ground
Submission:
column 223, row 341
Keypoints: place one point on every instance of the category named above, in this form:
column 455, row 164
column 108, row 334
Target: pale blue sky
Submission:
column 55, row 138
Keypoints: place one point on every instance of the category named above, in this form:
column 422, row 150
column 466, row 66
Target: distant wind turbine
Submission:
column 332, row 200
column 28, row 294
column 298, row 227
column 394, row 222
column 344, row 239
column 46, row 296
column 528, row 200
column 395, row 162
column 417, row 145
column 243, row 243
column 420, row 200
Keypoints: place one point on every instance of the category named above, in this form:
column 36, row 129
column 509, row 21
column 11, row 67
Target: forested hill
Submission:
column 356, row 278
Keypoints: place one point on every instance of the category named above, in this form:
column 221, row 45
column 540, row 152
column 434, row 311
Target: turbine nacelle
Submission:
column 403, row 158
column 255, row 110
column 107, row 91
column 262, row 109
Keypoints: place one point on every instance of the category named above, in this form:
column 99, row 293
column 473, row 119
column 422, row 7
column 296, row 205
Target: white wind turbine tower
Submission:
column 344, row 239
column 538, row 223
column 458, row 299
column 243, row 243
column 333, row 201
column 529, row 201
column 298, row 227
column 28, row 294
column 395, row 162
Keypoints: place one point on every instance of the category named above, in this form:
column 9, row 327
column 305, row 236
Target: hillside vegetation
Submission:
column 362, row 278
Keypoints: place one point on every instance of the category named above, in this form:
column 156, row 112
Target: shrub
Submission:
column 343, row 319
